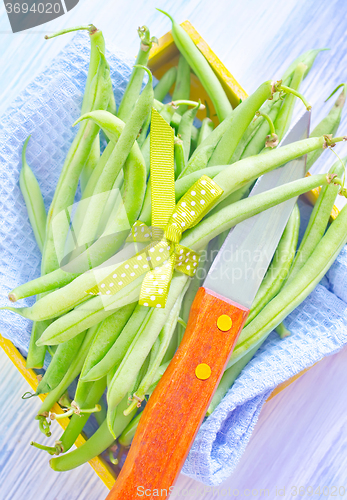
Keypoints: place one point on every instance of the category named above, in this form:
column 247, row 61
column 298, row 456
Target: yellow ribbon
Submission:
column 164, row 253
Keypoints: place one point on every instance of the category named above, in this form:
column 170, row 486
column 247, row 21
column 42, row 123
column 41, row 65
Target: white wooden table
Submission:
column 301, row 436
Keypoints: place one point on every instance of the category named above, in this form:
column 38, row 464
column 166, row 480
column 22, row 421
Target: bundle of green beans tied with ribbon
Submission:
column 113, row 308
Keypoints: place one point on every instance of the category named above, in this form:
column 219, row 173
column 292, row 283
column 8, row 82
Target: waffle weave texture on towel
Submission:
column 46, row 109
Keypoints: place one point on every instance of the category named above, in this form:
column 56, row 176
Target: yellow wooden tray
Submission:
column 162, row 57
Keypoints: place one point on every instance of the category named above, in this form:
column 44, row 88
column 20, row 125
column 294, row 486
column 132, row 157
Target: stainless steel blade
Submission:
column 242, row 262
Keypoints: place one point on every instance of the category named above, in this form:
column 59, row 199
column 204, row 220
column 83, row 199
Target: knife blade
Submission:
column 234, row 260
column 178, row 405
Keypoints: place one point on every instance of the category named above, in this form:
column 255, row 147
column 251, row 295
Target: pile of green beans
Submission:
column 110, row 343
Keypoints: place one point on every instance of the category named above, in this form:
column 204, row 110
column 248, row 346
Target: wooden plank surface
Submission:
column 301, row 436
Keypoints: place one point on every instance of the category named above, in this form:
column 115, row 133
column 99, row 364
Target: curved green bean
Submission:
column 201, row 68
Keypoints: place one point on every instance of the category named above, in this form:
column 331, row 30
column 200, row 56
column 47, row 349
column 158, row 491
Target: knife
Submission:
column 178, row 404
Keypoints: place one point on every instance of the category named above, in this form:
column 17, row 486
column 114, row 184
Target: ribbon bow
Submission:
column 164, row 253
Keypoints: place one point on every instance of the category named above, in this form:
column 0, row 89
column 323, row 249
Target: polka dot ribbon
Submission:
column 164, row 252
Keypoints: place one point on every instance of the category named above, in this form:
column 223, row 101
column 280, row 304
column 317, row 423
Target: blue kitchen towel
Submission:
column 46, row 109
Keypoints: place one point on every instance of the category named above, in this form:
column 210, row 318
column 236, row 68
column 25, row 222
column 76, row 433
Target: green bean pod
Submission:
column 142, row 344
column 74, row 162
column 91, row 163
column 129, row 432
column 95, row 175
column 112, row 205
column 253, row 127
column 242, row 117
column 189, row 297
column 107, row 334
column 140, row 374
column 111, row 238
column 204, row 151
column 165, row 83
column 36, row 355
column 180, row 162
column 328, row 125
column 144, row 131
column 182, row 86
column 116, row 161
column 197, row 238
column 239, row 174
column 159, row 373
column 77, row 422
column 201, row 68
column 72, row 372
column 318, row 221
column 185, row 130
column 60, row 363
column 33, row 199
column 207, row 127
column 134, row 85
column 285, row 114
column 279, row 267
column 256, row 142
column 296, row 291
column 175, row 119
column 96, row 444
column 252, row 142
column 97, row 44
column 119, row 348
column 157, row 352
column 89, row 314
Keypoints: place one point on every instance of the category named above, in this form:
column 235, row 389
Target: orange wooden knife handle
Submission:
column 178, row 404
